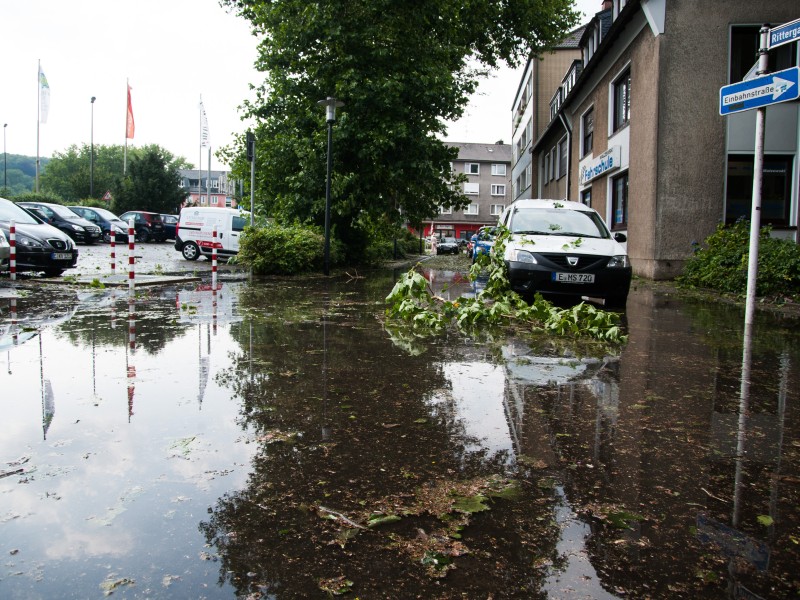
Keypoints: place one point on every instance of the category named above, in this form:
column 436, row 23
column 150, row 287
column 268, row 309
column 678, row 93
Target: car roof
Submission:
column 546, row 203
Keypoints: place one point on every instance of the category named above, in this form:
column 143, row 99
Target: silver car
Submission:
column 5, row 251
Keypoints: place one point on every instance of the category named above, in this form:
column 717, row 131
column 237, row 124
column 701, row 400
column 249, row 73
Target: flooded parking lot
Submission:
column 275, row 439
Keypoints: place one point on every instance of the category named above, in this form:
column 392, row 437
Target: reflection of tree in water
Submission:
column 345, row 435
column 156, row 317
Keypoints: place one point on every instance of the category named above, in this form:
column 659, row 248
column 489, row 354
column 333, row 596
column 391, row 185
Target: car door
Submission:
column 237, row 227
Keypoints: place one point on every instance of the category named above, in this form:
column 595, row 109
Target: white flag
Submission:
column 203, row 126
column 44, row 96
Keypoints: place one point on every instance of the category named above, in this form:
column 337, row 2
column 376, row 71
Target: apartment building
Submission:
column 214, row 189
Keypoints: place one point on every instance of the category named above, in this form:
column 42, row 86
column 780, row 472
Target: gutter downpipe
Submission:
column 569, row 148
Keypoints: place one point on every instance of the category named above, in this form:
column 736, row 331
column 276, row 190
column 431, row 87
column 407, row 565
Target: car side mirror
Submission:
column 620, row 237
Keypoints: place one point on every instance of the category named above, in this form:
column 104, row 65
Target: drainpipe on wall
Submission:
column 569, row 148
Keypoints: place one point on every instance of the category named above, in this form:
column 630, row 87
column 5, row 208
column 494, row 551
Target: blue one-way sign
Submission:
column 761, row 91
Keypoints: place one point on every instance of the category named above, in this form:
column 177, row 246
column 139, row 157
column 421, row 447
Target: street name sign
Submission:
column 781, row 86
column 784, row 34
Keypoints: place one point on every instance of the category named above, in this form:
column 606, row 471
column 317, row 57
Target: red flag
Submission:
column 129, row 125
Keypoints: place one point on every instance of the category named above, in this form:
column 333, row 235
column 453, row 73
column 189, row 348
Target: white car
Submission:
column 562, row 248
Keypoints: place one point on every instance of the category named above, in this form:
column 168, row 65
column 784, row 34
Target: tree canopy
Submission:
column 402, row 69
column 152, row 183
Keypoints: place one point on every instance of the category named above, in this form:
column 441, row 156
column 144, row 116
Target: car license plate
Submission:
column 574, row 277
column 62, row 256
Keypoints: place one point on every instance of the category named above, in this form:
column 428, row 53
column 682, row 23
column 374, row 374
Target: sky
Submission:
column 171, row 53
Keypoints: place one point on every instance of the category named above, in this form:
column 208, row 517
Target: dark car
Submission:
column 170, row 224
column 107, row 221
column 448, row 245
column 148, row 225
column 61, row 217
column 39, row 246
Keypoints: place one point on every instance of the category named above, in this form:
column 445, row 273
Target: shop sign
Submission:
column 608, row 161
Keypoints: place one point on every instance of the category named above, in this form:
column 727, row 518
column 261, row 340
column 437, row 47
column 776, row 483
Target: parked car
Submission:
column 483, row 241
column 39, row 246
column 5, row 252
column 61, row 217
column 562, row 248
column 147, row 225
column 170, row 225
column 194, row 235
column 107, row 221
column 447, row 245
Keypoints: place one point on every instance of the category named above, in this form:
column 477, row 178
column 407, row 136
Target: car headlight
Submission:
column 523, row 256
column 619, row 261
column 28, row 242
column 76, row 227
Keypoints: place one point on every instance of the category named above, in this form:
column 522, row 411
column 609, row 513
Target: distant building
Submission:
column 220, row 191
column 488, row 168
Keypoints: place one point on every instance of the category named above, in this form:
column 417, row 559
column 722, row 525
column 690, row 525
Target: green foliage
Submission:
column 19, row 174
column 40, row 197
column 284, row 250
column 721, row 264
column 152, row 183
column 402, row 74
column 413, row 301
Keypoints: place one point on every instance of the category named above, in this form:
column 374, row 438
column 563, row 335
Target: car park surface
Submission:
column 561, row 248
column 105, row 220
column 61, row 217
column 39, row 246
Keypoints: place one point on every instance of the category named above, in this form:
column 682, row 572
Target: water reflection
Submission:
column 332, row 448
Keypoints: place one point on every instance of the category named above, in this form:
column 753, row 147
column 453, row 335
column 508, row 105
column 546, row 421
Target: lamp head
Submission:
column 93, row 99
column 330, row 104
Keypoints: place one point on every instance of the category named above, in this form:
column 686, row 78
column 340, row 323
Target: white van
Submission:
column 194, row 232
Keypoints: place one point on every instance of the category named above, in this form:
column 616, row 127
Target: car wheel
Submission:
column 144, row 236
column 190, row 251
column 616, row 301
column 53, row 272
column 107, row 237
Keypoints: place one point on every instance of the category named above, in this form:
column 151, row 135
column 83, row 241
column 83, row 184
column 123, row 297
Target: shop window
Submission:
column 619, row 202
column 586, row 197
column 776, row 189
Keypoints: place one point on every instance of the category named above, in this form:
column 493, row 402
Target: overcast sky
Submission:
column 171, row 52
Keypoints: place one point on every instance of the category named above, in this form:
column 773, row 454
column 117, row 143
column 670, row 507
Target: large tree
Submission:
column 403, row 69
column 152, row 183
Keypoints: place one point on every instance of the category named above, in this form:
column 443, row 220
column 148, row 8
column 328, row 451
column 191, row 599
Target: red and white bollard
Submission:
column 131, row 260
column 214, row 259
column 113, row 253
column 12, row 261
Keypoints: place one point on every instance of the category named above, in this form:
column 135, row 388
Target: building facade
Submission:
column 645, row 143
column 530, row 111
column 488, row 169
column 214, row 189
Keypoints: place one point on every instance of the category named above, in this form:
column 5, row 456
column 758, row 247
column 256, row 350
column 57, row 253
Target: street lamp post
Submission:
column 91, row 155
column 330, row 105
column 5, row 159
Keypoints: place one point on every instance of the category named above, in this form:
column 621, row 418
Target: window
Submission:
column 588, row 132
column 472, row 168
column 496, row 209
column 562, row 157
column 498, row 189
column 228, row 203
column 472, row 209
column 622, row 100
column 553, row 163
column 776, row 189
column 443, row 210
column 619, row 202
column 744, row 46
column 472, row 188
column 586, row 197
column 498, row 169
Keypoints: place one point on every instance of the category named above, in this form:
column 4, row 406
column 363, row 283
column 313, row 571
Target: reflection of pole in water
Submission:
column 14, row 326
column 130, row 368
column 326, row 431
column 744, row 407
column 214, row 308
column 48, row 401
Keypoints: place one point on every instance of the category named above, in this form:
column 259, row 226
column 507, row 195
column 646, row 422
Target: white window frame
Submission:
column 496, row 209
column 472, row 209
column 498, row 189
column 498, row 169
column 612, row 99
column 562, row 150
column 472, row 189
column 445, row 211
column 468, row 168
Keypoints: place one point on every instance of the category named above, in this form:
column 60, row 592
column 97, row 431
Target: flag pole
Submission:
column 38, row 117
column 200, row 155
column 125, row 152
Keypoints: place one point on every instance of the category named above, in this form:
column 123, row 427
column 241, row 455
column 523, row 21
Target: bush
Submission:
column 722, row 263
column 284, row 250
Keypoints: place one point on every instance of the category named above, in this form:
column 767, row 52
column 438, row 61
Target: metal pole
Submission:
column 252, row 186
column 326, row 269
column 5, row 159
column 91, row 156
column 758, row 168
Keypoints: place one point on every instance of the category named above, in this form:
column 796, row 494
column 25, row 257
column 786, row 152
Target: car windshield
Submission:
column 558, row 221
column 449, row 240
column 106, row 214
column 63, row 211
column 11, row 212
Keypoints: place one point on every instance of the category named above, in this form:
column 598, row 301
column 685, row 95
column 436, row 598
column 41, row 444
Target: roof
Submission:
column 572, row 40
column 482, row 152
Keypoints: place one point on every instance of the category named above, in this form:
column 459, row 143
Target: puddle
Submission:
column 276, row 439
